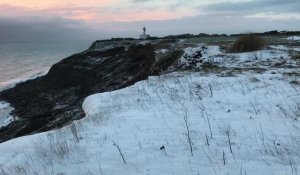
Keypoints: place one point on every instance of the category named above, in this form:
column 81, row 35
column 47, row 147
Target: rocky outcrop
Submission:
column 55, row 99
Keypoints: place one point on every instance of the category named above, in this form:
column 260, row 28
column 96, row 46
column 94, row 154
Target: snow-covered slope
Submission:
column 196, row 57
column 236, row 125
column 179, row 123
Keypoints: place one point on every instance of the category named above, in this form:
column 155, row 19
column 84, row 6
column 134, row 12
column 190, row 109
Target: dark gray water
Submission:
column 19, row 61
column 22, row 61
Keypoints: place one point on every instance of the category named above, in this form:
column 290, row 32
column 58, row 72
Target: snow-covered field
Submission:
column 296, row 38
column 196, row 57
column 285, row 48
column 180, row 123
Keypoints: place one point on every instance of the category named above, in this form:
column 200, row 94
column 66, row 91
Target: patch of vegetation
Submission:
column 247, row 43
column 164, row 63
column 295, row 82
column 295, row 55
column 164, row 44
column 208, row 68
column 291, row 74
column 279, row 64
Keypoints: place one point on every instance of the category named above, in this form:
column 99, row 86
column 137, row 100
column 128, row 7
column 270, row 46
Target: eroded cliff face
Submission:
column 55, row 99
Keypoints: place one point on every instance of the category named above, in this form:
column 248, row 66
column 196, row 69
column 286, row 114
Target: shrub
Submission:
column 247, row 43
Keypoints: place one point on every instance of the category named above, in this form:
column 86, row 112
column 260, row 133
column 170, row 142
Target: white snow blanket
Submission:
column 181, row 123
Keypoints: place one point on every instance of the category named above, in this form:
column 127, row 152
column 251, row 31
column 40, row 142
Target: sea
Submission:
column 27, row 60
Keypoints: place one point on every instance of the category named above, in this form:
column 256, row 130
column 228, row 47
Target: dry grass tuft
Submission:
column 247, row 43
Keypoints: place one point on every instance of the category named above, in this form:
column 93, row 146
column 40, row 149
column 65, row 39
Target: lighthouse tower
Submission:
column 144, row 35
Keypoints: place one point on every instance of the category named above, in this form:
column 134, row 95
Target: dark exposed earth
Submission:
column 54, row 100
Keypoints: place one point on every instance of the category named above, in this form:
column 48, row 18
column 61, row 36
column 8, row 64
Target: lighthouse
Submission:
column 144, row 35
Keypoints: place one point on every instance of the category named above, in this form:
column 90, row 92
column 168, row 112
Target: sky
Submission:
column 34, row 20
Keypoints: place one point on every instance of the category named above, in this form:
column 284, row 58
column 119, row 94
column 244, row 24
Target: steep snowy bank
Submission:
column 181, row 123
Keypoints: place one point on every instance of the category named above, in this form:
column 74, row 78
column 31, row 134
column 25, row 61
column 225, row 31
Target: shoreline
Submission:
column 6, row 109
column 5, row 117
column 54, row 100
column 5, row 85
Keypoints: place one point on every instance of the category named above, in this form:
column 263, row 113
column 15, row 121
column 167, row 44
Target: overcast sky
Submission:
column 34, row 20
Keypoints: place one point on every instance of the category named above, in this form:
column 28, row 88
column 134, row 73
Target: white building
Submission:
column 144, row 35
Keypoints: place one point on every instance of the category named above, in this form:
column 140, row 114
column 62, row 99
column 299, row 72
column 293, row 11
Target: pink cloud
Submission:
column 91, row 14
column 43, row 4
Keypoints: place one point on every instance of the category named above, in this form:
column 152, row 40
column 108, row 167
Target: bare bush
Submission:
column 3, row 171
column 74, row 132
column 228, row 131
column 56, row 145
column 224, row 159
column 121, row 153
column 188, row 132
column 295, row 110
column 247, row 43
